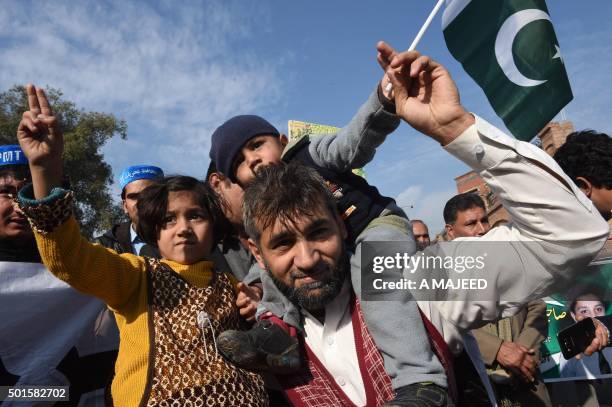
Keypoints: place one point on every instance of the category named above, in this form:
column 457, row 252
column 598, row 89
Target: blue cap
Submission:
column 12, row 155
column 136, row 172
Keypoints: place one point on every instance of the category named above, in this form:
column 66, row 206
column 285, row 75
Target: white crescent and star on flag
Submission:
column 505, row 38
column 517, row 64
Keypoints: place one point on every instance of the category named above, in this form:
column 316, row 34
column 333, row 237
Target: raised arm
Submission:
column 42, row 142
column 543, row 202
column 89, row 268
column 545, row 206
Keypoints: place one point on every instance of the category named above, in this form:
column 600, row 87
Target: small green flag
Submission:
column 510, row 49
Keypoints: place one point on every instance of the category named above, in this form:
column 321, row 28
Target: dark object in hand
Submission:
column 575, row 339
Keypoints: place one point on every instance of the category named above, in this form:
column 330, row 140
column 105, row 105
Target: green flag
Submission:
column 510, row 49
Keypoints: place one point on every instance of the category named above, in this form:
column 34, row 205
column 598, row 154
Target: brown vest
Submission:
column 184, row 365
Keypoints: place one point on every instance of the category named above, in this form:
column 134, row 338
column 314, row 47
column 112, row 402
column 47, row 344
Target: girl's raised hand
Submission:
column 41, row 141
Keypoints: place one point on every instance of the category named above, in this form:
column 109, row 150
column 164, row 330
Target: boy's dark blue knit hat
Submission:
column 228, row 139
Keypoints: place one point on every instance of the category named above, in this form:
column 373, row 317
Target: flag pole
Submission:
column 419, row 35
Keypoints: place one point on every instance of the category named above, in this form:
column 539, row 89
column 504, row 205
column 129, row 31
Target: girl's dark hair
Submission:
column 153, row 204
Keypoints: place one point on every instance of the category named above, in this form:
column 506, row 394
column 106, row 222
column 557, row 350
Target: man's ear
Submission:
column 124, row 206
column 256, row 253
column 284, row 140
column 585, row 186
column 214, row 180
column 450, row 231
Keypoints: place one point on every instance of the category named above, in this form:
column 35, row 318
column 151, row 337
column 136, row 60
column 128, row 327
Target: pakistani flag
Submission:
column 510, row 49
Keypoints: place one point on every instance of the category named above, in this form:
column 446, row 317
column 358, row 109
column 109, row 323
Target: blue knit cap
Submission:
column 12, row 155
column 228, row 139
column 136, row 172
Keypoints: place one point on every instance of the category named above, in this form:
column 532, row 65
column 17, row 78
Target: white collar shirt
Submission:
column 333, row 343
column 136, row 241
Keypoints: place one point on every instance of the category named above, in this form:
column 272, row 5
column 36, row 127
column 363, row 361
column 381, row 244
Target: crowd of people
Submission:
column 245, row 288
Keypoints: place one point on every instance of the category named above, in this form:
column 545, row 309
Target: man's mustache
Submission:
column 297, row 274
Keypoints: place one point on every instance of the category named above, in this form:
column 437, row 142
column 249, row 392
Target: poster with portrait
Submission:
column 590, row 296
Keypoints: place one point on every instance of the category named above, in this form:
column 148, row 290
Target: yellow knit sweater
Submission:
column 120, row 281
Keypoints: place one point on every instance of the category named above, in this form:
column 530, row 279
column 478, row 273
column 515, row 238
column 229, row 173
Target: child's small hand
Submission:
column 247, row 301
column 42, row 142
column 384, row 57
column 38, row 133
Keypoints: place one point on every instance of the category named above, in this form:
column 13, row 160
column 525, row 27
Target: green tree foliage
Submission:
column 84, row 135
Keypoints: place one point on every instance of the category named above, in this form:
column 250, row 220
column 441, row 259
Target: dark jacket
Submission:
column 358, row 202
column 27, row 254
column 118, row 239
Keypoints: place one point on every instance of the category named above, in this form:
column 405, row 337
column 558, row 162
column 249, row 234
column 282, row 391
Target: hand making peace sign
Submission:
column 42, row 142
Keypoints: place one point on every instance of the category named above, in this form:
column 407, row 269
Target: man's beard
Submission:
column 328, row 289
column 420, row 246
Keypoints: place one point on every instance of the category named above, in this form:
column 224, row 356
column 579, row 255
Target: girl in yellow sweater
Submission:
column 169, row 312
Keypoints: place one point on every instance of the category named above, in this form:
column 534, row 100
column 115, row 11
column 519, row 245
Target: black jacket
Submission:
column 27, row 254
column 118, row 238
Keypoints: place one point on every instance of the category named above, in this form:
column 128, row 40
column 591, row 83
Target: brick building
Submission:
column 554, row 135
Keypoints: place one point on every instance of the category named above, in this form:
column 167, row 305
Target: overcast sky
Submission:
column 176, row 70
